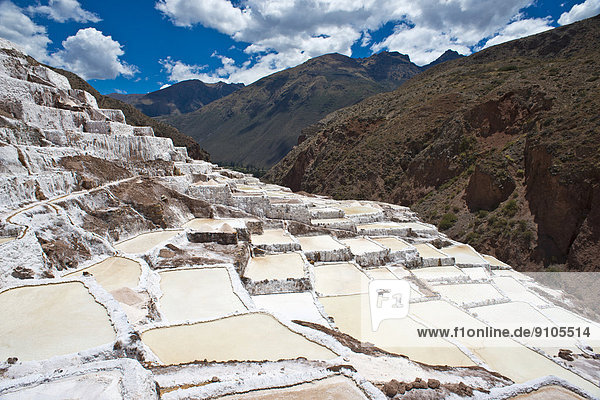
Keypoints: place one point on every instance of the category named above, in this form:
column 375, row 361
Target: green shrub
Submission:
column 448, row 220
column 510, row 208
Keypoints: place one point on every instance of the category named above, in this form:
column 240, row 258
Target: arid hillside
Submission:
column 500, row 149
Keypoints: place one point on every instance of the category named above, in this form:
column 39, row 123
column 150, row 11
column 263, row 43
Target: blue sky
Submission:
column 140, row 46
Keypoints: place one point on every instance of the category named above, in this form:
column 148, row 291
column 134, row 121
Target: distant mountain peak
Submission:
column 447, row 56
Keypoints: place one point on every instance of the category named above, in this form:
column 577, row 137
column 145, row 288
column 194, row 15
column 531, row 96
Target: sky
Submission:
column 139, row 46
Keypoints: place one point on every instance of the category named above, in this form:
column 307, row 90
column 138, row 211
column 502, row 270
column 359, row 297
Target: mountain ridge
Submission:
column 179, row 98
column 268, row 115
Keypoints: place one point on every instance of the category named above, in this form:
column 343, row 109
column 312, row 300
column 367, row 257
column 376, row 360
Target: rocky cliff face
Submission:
column 503, row 143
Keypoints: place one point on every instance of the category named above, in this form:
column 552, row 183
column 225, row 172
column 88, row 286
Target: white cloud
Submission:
column 587, row 9
column 519, row 29
column 284, row 33
column 21, row 30
column 217, row 14
column 64, row 10
column 92, row 55
column 423, row 45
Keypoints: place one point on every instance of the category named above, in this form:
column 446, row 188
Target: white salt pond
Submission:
column 469, row 293
column 360, row 246
column 385, row 273
column 352, row 316
column 275, row 266
column 476, row 273
column 292, row 306
column 146, row 241
column 197, row 294
column 517, row 314
column 516, row 291
column 393, row 243
column 511, row 273
column 319, row 243
column 105, row 385
column 503, row 355
column 494, row 262
column 562, row 317
column 464, row 254
column 439, row 273
column 380, row 273
column 340, row 279
column 251, row 337
column 39, row 322
column 551, row 392
column 358, row 210
column 426, row 250
column 333, row 388
column 114, row 273
column 272, row 236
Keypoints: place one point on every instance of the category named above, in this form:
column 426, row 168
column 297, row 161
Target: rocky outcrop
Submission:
column 486, row 191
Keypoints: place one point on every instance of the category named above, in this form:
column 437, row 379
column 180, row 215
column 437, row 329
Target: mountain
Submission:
column 136, row 117
column 258, row 124
column 182, row 97
column 500, row 149
column 448, row 55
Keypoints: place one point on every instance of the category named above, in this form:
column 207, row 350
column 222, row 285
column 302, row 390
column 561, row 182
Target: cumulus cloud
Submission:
column 64, row 10
column 283, row 33
column 587, row 9
column 92, row 55
column 423, row 44
column 21, row 30
column 519, row 29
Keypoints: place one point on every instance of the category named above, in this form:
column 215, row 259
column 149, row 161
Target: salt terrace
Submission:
column 163, row 275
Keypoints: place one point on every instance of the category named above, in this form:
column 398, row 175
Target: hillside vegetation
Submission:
column 500, row 149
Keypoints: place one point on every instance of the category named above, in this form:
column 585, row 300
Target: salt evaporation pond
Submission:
column 146, row 241
column 551, row 392
column 332, row 388
column 469, row 293
column 464, row 254
column 428, row 251
column 360, row 246
column 393, row 243
column 505, row 356
column 114, row 273
column 518, row 314
column 293, row 306
column 105, row 385
column 476, row 273
column 39, row 322
column 275, row 266
column 340, row 279
column 515, row 291
column 197, row 294
column 250, row 337
column 272, row 236
column 352, row 316
column 319, row 243
column 439, row 273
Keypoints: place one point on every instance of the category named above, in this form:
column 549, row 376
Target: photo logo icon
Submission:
column 388, row 299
